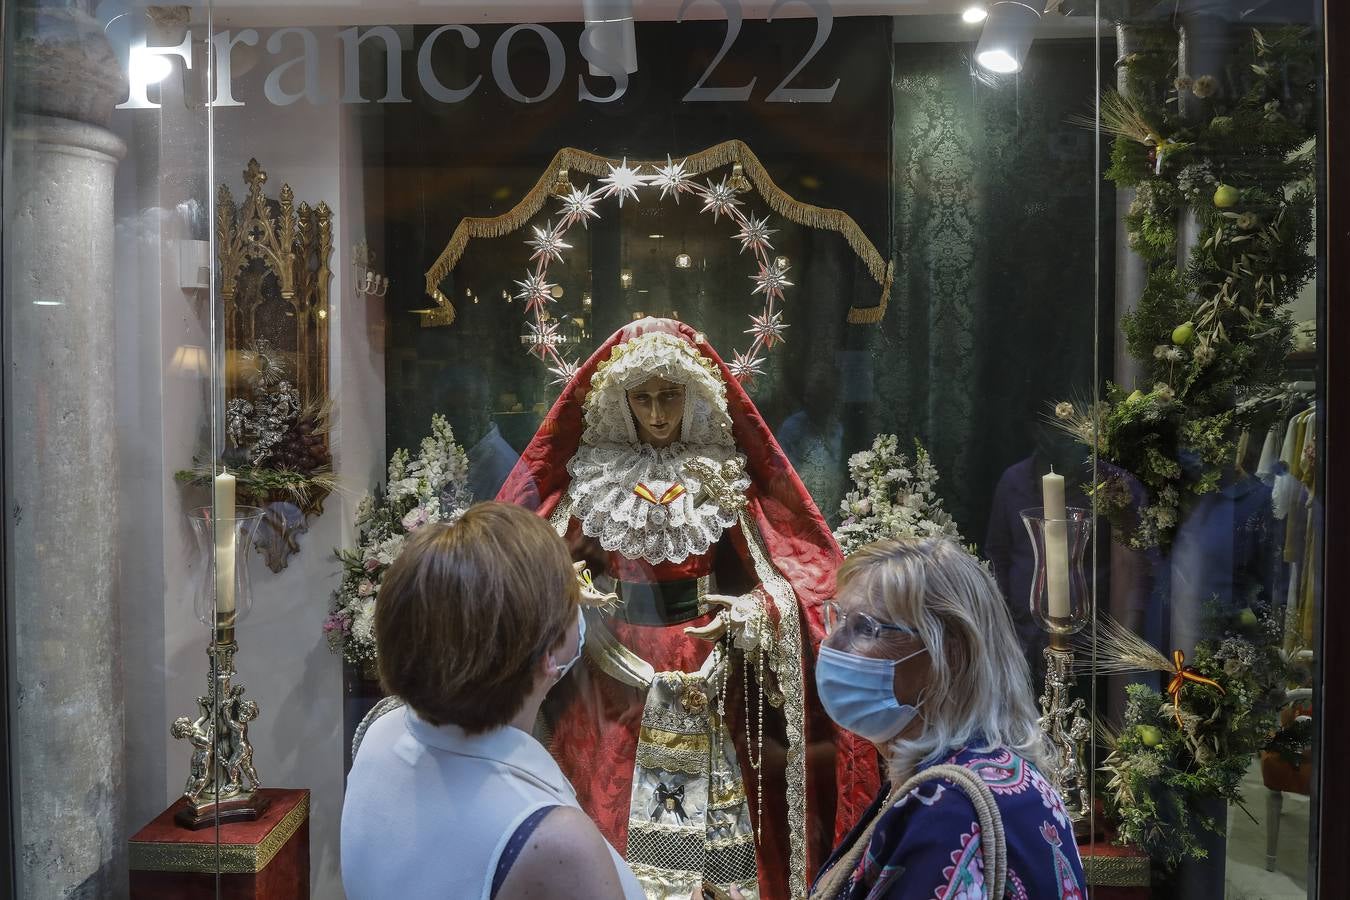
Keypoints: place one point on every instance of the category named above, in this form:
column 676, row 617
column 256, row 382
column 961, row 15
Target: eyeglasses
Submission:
column 857, row 624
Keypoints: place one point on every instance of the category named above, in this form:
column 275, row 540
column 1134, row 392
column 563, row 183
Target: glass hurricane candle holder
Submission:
column 224, row 596
column 1060, row 596
column 1060, row 601
column 222, row 783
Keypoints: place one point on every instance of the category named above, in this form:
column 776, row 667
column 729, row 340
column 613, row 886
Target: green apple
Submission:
column 1150, row 735
column 1225, row 196
column 1182, row 334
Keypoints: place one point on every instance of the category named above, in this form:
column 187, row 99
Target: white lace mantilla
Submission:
column 604, row 501
column 609, row 421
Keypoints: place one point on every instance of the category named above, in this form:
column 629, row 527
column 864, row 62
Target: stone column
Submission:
column 1203, row 45
column 1131, row 274
column 1131, row 579
column 58, row 205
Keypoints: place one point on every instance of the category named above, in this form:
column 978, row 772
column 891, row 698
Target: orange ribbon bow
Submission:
column 673, row 493
column 1183, row 674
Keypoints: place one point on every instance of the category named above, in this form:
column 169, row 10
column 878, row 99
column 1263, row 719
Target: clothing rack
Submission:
column 1291, row 392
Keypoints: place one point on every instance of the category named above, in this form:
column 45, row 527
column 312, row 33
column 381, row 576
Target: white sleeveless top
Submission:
column 429, row 808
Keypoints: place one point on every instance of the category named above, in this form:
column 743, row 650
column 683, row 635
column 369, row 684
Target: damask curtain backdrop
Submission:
column 995, row 298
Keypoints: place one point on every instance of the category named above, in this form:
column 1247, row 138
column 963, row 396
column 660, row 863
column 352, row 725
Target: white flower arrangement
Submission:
column 433, row 487
column 894, row 497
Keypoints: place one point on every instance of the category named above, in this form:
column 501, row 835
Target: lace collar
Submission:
column 645, row 503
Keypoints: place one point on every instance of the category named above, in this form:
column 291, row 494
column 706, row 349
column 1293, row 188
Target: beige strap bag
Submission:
column 993, row 844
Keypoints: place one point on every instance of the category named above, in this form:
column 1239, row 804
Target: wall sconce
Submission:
column 194, row 265
column 626, row 278
column 1007, row 35
column 190, row 361
column 683, row 260
column 369, row 283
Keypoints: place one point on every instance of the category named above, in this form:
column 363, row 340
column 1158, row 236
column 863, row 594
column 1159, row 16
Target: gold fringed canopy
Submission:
column 726, row 153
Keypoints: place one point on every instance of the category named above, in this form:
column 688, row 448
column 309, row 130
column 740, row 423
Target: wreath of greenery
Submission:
column 1171, row 754
column 1213, row 327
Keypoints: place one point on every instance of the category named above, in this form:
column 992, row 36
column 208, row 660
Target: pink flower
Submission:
column 365, row 588
column 336, row 621
column 416, row 517
column 372, row 564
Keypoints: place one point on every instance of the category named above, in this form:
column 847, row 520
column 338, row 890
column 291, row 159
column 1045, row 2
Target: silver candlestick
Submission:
column 1060, row 602
column 222, row 783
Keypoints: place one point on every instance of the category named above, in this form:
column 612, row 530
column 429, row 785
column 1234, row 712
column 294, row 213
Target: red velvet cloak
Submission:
column 799, row 545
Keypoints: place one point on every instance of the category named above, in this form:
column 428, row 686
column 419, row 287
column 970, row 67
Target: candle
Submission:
column 224, row 485
column 1056, row 546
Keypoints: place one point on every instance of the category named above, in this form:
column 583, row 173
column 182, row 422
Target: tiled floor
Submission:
column 1247, row 876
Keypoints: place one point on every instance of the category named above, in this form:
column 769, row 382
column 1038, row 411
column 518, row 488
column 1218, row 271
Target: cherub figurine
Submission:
column 201, row 736
column 240, row 762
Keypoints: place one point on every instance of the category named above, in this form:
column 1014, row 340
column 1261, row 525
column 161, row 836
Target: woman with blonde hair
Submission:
column 450, row 795
column 922, row 660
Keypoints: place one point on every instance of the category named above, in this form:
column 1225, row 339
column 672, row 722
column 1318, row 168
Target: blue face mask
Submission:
column 858, row 692
column 581, row 644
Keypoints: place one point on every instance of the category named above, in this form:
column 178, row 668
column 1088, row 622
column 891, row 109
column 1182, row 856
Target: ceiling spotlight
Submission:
column 974, row 15
column 683, row 261
column 1007, row 36
column 609, row 30
column 656, row 237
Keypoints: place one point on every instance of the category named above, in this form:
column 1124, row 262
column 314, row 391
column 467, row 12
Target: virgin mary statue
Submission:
column 693, row 735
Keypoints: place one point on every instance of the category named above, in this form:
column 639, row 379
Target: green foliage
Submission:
column 1250, row 132
column 1167, row 759
column 258, row 486
column 1129, row 162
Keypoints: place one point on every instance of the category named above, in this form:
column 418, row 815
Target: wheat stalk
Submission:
column 1115, row 650
column 1121, row 115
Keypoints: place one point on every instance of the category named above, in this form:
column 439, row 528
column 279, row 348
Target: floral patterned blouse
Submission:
column 927, row 846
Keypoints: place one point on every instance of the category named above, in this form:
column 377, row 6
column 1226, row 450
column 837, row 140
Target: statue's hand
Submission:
column 718, row 626
column 590, row 594
column 743, row 617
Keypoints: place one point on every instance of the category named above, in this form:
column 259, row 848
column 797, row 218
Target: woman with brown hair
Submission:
column 450, row 796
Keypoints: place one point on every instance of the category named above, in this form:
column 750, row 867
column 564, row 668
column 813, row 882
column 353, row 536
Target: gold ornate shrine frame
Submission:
column 727, row 153
column 255, row 239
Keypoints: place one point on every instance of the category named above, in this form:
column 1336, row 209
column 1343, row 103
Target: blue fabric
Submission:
column 517, row 843
column 927, row 846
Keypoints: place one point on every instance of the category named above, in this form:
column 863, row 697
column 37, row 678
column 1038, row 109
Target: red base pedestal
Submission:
column 267, row 859
column 1114, row 872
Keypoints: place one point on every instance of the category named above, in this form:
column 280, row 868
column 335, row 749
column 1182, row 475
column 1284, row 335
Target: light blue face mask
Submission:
column 858, row 692
column 581, row 644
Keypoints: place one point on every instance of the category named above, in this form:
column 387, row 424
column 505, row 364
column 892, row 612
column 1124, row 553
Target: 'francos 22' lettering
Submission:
column 285, row 43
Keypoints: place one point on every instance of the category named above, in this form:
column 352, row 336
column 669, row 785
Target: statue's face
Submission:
column 658, row 407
